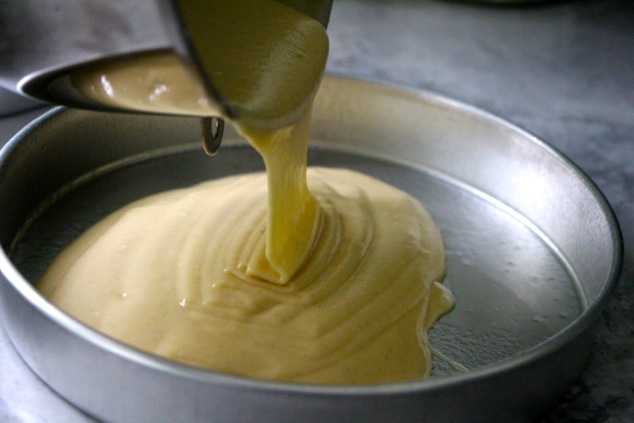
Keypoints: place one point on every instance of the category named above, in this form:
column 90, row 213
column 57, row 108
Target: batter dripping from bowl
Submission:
column 318, row 275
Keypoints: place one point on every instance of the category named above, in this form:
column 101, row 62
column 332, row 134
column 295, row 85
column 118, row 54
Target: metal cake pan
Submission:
column 533, row 254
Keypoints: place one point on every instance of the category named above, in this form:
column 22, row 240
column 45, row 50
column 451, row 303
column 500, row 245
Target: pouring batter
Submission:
column 331, row 278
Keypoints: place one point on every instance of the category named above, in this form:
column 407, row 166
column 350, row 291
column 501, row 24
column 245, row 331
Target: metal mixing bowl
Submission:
column 533, row 254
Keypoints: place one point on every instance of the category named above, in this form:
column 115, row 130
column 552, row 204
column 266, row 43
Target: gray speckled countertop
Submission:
column 564, row 71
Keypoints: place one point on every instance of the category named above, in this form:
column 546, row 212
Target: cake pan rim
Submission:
column 535, row 353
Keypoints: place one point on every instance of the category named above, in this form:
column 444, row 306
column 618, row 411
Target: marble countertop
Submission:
column 562, row 70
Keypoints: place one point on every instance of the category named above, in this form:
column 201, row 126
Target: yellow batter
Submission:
column 168, row 274
column 330, row 279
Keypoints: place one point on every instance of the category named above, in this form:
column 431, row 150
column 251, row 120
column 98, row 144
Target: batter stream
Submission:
column 319, row 275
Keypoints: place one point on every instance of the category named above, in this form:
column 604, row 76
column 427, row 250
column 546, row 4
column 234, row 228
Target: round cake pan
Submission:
column 533, row 254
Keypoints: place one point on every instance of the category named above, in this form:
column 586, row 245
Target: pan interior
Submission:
column 513, row 289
